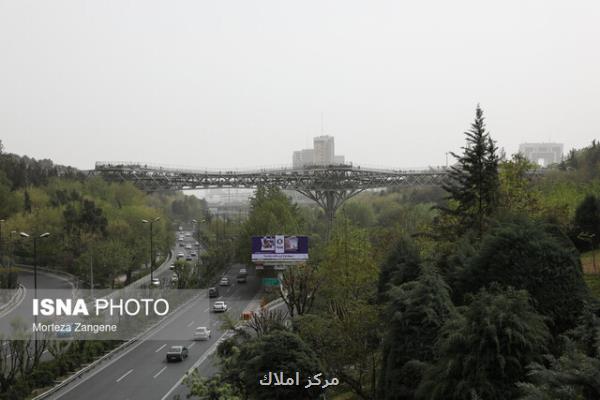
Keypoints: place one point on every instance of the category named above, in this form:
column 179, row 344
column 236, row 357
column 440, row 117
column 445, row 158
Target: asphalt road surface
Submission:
column 141, row 371
column 45, row 280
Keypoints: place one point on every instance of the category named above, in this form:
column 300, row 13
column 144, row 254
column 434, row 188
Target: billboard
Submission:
column 279, row 248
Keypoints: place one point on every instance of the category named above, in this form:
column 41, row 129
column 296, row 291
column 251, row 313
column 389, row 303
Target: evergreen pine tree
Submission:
column 473, row 183
column 418, row 310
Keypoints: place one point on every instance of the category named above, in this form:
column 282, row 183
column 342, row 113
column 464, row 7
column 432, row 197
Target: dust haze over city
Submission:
column 315, row 200
column 240, row 84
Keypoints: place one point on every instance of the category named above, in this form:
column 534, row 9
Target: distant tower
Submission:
column 542, row 154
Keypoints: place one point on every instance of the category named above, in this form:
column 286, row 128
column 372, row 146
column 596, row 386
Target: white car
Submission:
column 219, row 306
column 202, row 333
column 180, row 255
column 172, row 267
column 155, row 282
column 224, row 281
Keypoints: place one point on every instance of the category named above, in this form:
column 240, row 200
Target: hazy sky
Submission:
column 243, row 83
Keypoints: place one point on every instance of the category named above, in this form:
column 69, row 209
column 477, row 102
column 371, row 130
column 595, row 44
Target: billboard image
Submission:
column 279, row 248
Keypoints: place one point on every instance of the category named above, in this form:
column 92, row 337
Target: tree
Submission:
column 587, row 219
column 346, row 337
column 26, row 202
column 402, row 265
column 212, row 388
column 348, row 271
column 271, row 212
column 417, row 311
column 483, row 350
column 575, row 374
column 299, row 285
column 473, row 184
column 535, row 257
column 279, row 351
column 266, row 321
column 517, row 192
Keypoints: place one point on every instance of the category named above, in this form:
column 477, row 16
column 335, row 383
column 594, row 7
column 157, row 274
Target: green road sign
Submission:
column 270, row 282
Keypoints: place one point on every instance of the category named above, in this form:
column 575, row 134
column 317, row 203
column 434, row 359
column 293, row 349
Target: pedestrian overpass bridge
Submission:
column 328, row 185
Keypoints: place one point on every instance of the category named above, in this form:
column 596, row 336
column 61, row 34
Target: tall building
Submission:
column 303, row 157
column 323, row 153
column 324, row 150
column 542, row 154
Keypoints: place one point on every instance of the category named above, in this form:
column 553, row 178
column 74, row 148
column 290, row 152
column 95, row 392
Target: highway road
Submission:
column 45, row 281
column 141, row 370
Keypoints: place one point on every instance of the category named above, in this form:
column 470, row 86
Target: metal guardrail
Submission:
column 14, row 301
column 121, row 347
column 111, row 353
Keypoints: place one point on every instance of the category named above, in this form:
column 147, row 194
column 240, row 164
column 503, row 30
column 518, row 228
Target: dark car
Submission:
column 213, row 292
column 177, row 353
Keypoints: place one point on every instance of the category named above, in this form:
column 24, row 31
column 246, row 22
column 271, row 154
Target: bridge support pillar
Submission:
column 330, row 201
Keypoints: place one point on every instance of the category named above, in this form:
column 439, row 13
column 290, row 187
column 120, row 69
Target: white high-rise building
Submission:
column 323, row 153
column 324, row 150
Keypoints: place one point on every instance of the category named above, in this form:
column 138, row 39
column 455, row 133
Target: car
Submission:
column 219, row 306
column 197, row 244
column 193, row 254
column 181, row 244
column 242, row 276
column 180, row 255
column 224, row 281
column 155, row 282
column 172, row 267
column 180, row 228
column 188, row 234
column 188, row 246
column 188, row 258
column 180, row 238
column 213, row 292
column 202, row 333
column 177, row 353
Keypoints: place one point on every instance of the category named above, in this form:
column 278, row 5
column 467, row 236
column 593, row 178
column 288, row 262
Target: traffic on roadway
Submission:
column 152, row 368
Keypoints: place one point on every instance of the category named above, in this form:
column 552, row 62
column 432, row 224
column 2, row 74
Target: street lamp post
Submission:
column 151, row 222
column 35, row 262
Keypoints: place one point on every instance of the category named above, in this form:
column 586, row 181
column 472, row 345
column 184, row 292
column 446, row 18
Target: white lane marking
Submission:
column 159, row 372
column 160, row 348
column 191, row 345
column 190, row 324
column 124, row 375
column 206, row 354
